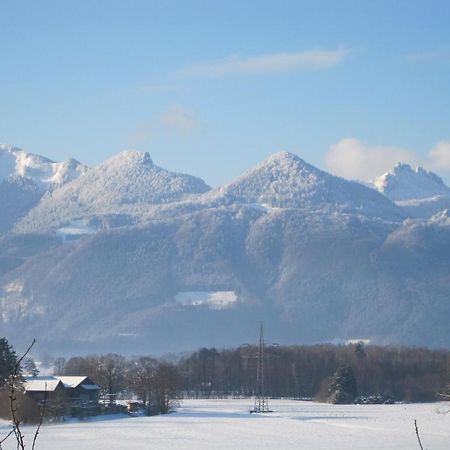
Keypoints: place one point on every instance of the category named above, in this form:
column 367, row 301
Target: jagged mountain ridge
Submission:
column 317, row 257
column 419, row 193
column 45, row 173
column 404, row 183
column 131, row 184
column 26, row 177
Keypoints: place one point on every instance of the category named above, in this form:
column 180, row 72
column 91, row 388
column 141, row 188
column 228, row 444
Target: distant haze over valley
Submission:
column 128, row 256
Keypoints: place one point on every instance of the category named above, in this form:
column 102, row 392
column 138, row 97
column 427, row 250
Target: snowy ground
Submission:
column 226, row 424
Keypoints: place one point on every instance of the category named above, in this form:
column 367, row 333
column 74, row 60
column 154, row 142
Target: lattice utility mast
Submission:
column 261, row 401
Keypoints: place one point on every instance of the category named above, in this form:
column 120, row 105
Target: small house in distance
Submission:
column 46, row 388
column 75, row 395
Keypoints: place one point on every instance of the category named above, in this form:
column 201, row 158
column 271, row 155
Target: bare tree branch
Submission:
column 41, row 417
column 12, row 400
column 6, row 437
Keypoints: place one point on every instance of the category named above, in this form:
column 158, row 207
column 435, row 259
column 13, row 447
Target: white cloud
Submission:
column 269, row 64
column 439, row 157
column 179, row 119
column 176, row 119
column 352, row 159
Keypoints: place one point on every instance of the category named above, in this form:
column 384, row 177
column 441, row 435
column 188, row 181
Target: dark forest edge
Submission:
column 325, row 372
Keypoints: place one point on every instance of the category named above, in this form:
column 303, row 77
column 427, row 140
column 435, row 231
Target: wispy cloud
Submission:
column 439, row 157
column 141, row 136
column 175, row 120
column 275, row 63
column 180, row 119
column 350, row 158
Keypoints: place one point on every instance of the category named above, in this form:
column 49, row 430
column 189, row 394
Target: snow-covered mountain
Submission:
column 404, row 183
column 284, row 180
column 128, row 182
column 172, row 265
column 25, row 178
column 45, row 173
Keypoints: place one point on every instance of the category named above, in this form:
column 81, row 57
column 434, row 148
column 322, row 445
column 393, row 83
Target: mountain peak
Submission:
column 276, row 177
column 282, row 156
column 285, row 161
column 404, row 182
column 131, row 157
column 284, row 180
column 402, row 167
column 47, row 174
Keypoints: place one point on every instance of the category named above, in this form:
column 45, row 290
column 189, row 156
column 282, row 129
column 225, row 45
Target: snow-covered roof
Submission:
column 41, row 384
column 50, row 383
column 73, row 382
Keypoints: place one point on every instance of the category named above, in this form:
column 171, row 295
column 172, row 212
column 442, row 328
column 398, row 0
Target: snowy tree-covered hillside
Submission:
column 285, row 181
column 133, row 256
column 126, row 181
column 312, row 277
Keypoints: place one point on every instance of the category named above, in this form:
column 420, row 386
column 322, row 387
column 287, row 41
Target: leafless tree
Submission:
column 111, row 372
column 141, row 378
column 167, row 387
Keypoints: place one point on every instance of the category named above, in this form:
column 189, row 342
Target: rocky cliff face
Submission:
column 405, row 183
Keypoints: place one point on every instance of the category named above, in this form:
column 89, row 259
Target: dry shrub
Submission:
column 28, row 410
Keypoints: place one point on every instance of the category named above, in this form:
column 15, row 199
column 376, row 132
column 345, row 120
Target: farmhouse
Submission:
column 81, row 391
column 44, row 388
column 76, row 393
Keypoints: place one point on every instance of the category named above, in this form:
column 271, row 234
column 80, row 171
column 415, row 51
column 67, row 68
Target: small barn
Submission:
column 64, row 394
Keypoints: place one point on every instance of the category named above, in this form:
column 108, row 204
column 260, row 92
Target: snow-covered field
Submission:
column 226, row 424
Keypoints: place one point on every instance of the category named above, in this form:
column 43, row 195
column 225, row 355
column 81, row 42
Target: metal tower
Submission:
column 261, row 401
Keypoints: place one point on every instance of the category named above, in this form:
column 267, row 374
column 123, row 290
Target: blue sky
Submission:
column 212, row 87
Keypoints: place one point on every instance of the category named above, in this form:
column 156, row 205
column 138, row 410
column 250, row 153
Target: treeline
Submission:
column 402, row 373
column 309, row 371
column 323, row 372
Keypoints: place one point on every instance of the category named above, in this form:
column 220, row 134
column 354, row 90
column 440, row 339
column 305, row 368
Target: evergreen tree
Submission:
column 29, row 367
column 359, row 350
column 8, row 360
column 343, row 388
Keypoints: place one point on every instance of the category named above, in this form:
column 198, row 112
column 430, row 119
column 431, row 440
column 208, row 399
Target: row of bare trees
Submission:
column 403, row 373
